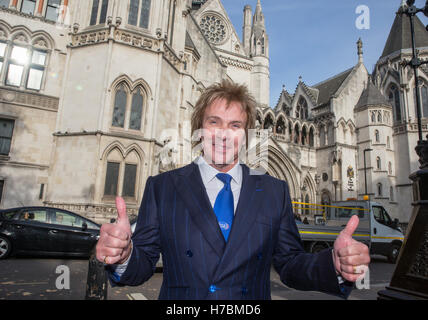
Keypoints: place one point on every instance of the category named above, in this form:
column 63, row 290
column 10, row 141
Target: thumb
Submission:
column 122, row 216
column 351, row 226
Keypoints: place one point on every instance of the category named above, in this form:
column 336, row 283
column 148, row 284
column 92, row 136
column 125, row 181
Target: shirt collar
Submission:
column 208, row 172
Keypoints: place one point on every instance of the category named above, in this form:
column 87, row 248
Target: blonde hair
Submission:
column 231, row 92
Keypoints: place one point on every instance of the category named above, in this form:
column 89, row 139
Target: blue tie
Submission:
column 223, row 206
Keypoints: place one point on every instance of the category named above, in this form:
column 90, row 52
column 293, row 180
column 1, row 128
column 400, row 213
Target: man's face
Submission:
column 223, row 132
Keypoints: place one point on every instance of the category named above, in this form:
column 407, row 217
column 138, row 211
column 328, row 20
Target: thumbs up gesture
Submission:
column 114, row 245
column 351, row 258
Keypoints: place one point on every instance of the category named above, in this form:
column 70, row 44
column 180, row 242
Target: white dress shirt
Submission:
column 213, row 185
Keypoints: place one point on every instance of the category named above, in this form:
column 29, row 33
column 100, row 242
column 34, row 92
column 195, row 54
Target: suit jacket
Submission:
column 177, row 220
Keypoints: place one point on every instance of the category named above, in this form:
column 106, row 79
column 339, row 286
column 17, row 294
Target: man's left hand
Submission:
column 351, row 258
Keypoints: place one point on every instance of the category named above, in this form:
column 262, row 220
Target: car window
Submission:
column 386, row 217
column 92, row 225
column 64, row 219
column 377, row 213
column 347, row 213
column 8, row 215
column 33, row 215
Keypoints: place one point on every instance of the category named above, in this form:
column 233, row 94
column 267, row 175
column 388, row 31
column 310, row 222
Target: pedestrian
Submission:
column 220, row 226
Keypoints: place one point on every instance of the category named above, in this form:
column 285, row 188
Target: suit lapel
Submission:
column 250, row 200
column 191, row 189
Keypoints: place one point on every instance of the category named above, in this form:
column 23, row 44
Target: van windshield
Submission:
column 381, row 215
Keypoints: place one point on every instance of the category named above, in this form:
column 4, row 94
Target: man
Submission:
column 218, row 226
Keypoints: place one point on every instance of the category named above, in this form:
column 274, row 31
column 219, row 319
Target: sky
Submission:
column 316, row 39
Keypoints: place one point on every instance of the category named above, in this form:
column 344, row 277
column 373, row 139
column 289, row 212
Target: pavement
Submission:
column 34, row 278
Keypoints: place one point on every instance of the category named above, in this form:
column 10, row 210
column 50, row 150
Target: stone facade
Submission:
column 119, row 83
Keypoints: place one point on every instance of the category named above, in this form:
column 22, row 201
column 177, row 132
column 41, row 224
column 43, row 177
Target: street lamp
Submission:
column 415, row 63
column 365, row 169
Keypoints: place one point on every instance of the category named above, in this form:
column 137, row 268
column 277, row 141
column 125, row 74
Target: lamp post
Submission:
column 415, row 63
column 410, row 278
column 365, row 169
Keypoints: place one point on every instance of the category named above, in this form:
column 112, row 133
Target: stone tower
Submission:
column 259, row 51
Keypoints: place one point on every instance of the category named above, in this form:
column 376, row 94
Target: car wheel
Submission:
column 394, row 251
column 5, row 247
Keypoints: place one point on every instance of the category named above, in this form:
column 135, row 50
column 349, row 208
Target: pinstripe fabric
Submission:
column 177, row 220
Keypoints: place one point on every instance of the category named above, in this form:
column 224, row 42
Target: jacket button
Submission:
column 189, row 253
column 213, row 288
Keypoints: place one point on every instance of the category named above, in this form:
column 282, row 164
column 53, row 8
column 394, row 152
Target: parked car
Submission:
column 46, row 231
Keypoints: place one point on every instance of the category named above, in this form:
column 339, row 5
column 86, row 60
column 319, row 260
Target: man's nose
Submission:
column 222, row 134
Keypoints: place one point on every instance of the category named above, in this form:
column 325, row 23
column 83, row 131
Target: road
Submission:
column 47, row 279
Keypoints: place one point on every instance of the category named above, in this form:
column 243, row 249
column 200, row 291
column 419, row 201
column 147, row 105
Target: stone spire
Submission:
column 360, row 50
column 259, row 18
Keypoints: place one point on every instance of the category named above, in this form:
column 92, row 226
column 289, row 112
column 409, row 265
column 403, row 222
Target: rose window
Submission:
column 213, row 28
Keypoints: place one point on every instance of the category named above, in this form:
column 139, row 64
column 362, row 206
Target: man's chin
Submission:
column 217, row 161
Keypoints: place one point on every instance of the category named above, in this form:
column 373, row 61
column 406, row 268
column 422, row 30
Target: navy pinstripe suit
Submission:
column 177, row 220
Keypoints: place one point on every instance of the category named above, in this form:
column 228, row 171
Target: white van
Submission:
column 376, row 228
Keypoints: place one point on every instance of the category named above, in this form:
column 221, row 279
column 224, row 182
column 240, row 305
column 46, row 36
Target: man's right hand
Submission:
column 114, row 245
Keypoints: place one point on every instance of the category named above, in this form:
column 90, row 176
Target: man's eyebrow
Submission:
column 213, row 117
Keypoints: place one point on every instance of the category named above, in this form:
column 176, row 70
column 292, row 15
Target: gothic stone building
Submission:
column 97, row 95
column 92, row 91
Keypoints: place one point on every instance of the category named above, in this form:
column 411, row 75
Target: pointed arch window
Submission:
column 139, row 13
column 304, row 136
column 302, row 109
column 136, row 109
column 121, row 174
column 394, row 99
column 128, row 107
column 98, row 12
column 424, row 100
column 378, row 163
column 120, row 103
column 311, row 137
column 280, row 126
column 377, row 137
column 296, row 134
column 379, row 189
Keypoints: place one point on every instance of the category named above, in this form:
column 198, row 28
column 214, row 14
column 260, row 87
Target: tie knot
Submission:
column 225, row 178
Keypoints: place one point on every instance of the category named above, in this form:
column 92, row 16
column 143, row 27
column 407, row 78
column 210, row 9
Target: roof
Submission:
column 330, row 86
column 371, row 96
column 400, row 37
